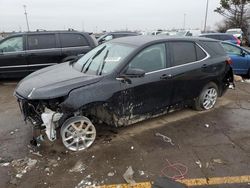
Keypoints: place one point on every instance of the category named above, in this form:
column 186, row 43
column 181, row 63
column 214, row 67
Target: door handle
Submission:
column 166, row 76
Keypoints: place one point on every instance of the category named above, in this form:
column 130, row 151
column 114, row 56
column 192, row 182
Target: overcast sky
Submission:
column 92, row 15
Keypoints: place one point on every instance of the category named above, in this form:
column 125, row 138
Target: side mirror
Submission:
column 243, row 53
column 135, row 73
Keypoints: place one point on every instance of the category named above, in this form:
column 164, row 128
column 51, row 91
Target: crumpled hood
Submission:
column 52, row 82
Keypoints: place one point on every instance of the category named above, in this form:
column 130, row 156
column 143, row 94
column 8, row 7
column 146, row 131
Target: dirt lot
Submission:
column 213, row 146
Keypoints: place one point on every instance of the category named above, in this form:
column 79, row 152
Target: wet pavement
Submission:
column 206, row 145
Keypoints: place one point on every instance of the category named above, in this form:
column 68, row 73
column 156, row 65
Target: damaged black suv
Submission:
column 122, row 82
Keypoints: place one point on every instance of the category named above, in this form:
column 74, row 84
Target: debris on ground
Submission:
column 219, row 161
column 85, row 183
column 207, row 125
column 110, row 174
column 4, row 164
column 53, row 162
column 247, row 81
column 78, row 167
column 199, row 163
column 174, row 171
column 22, row 166
column 128, row 176
column 165, row 138
column 141, row 173
column 13, row 132
column 132, row 147
column 238, row 78
column 36, row 153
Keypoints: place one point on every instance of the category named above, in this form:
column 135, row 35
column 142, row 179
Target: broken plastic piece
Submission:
column 128, row 175
column 165, row 138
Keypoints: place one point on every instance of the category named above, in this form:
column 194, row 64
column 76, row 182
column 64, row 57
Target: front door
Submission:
column 151, row 94
column 12, row 57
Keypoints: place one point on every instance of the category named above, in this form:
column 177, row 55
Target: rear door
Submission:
column 42, row 50
column 188, row 73
column 240, row 62
column 12, row 57
column 73, row 44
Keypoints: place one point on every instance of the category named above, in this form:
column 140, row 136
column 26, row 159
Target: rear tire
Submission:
column 207, row 98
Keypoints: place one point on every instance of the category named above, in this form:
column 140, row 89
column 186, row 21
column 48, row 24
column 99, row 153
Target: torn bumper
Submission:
column 41, row 117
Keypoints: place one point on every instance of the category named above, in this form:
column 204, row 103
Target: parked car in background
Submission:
column 113, row 35
column 222, row 37
column 240, row 58
column 23, row 53
column 237, row 32
column 188, row 33
column 122, row 82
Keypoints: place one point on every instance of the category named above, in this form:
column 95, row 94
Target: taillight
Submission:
column 238, row 41
column 229, row 61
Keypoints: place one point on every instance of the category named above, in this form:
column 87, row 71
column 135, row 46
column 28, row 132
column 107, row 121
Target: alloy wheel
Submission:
column 78, row 133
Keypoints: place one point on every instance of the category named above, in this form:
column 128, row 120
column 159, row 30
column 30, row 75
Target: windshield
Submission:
column 103, row 59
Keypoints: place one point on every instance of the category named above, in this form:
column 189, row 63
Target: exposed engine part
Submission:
column 50, row 118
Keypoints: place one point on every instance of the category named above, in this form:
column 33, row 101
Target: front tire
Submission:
column 207, row 98
column 78, row 133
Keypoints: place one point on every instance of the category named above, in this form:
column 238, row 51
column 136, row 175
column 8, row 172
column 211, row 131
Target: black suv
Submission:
column 122, row 82
column 113, row 35
column 21, row 54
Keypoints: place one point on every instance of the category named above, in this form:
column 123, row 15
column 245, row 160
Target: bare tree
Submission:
column 235, row 13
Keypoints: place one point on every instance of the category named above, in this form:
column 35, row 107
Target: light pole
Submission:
column 184, row 21
column 205, row 25
column 25, row 13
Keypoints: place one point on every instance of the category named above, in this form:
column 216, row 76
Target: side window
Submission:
column 200, row 53
column 44, row 41
column 183, row 52
column 231, row 49
column 150, row 59
column 73, row 40
column 13, row 44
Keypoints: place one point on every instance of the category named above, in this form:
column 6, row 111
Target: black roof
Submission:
column 145, row 39
column 215, row 34
column 46, row 32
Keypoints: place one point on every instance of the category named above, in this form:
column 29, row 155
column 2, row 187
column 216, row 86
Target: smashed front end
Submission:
column 44, row 115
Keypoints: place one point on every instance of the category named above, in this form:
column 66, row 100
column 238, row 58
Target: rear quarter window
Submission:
column 200, row 53
column 73, row 40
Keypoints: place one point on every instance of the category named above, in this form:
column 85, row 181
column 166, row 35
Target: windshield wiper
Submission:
column 97, row 53
column 74, row 60
column 103, row 64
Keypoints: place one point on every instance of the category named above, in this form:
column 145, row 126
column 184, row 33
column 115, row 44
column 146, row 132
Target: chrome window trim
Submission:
column 46, row 49
column 35, row 65
column 205, row 58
